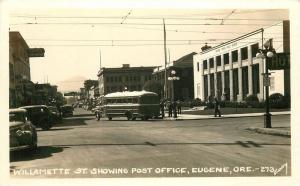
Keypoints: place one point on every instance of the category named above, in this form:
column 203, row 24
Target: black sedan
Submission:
column 39, row 115
column 55, row 115
column 22, row 133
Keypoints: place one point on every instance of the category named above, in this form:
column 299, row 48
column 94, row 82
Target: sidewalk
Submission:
column 279, row 131
column 199, row 117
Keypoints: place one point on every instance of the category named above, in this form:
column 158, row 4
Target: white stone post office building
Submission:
column 231, row 71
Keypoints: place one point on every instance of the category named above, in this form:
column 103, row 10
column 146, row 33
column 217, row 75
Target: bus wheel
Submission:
column 110, row 118
column 128, row 114
column 134, row 118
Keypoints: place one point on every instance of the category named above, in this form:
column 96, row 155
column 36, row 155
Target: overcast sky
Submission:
column 74, row 37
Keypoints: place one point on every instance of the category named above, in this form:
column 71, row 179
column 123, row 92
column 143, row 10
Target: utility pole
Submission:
column 100, row 60
column 165, row 51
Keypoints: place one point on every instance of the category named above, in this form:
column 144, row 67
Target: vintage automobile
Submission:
column 39, row 115
column 22, row 132
column 67, row 110
column 55, row 115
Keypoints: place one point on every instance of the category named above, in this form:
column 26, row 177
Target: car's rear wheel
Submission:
column 46, row 125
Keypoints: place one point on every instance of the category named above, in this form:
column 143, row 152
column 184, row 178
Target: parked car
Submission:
column 55, row 115
column 22, row 133
column 67, row 110
column 39, row 115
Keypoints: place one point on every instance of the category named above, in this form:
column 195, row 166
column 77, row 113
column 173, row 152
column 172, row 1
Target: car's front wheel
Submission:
column 33, row 145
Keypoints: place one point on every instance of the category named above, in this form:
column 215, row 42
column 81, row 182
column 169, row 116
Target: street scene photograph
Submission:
column 149, row 93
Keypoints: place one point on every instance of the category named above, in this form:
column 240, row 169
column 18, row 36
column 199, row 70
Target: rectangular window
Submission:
column 226, row 58
column 234, row 56
column 254, row 49
column 211, row 63
column 244, row 53
column 218, row 60
column 205, row 64
column 198, row 66
column 111, row 79
column 107, row 79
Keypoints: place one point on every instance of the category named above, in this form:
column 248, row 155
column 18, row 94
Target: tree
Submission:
column 154, row 86
column 90, row 83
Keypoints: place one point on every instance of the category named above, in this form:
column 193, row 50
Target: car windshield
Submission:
column 52, row 109
column 16, row 116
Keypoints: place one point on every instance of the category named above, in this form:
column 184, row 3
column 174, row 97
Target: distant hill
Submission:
column 71, row 84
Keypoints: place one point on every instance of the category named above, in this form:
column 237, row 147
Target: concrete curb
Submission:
column 222, row 117
column 271, row 131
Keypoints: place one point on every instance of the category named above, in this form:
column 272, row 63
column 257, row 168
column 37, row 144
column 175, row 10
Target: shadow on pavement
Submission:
column 53, row 129
column 245, row 144
column 40, row 153
column 73, row 122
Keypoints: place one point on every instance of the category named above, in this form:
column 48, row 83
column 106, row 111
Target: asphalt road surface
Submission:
column 82, row 147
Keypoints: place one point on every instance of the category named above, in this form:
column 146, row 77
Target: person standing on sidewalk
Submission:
column 179, row 107
column 162, row 108
column 174, row 108
column 170, row 108
column 217, row 107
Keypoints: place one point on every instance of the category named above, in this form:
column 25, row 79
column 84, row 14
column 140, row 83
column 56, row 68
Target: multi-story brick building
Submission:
column 181, row 89
column 20, row 86
column 124, row 78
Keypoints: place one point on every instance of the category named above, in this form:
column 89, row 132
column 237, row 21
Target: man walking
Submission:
column 217, row 107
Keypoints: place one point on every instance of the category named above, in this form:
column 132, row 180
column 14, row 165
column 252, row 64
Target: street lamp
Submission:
column 172, row 78
column 266, row 54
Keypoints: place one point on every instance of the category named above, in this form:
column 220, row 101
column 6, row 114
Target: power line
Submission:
column 127, row 45
column 150, row 24
column 147, row 18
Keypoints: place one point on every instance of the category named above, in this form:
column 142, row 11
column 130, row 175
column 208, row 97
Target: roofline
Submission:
column 233, row 40
column 103, row 69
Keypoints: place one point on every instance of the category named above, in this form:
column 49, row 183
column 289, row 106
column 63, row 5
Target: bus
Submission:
column 132, row 105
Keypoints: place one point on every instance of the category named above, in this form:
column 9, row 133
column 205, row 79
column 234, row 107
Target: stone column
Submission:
column 230, row 77
column 208, row 85
column 240, row 76
column 202, row 88
column 222, row 75
column 250, row 79
column 261, row 81
column 215, row 76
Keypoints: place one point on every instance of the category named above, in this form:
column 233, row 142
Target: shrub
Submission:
column 251, row 101
column 277, row 100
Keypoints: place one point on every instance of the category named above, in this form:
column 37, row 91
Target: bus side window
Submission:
column 134, row 100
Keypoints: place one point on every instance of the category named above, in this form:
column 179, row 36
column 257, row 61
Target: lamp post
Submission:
column 266, row 53
column 173, row 78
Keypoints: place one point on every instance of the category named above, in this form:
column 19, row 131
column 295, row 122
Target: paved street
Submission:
column 84, row 147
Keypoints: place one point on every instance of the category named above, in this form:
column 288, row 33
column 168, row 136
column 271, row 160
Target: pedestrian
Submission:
column 217, row 107
column 170, row 108
column 174, row 106
column 179, row 107
column 162, row 108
